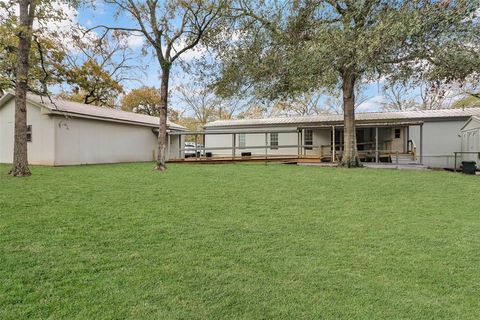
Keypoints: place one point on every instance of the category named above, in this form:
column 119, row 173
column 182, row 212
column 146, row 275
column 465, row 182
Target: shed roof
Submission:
column 72, row 109
column 326, row 119
column 473, row 119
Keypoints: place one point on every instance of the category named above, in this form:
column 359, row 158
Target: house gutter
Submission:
column 48, row 111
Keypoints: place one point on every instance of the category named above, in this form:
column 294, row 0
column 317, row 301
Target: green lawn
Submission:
column 239, row 242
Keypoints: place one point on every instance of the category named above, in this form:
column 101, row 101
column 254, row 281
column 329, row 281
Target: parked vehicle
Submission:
column 190, row 148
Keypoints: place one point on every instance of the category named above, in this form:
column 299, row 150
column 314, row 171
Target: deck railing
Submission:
column 236, row 151
column 412, row 148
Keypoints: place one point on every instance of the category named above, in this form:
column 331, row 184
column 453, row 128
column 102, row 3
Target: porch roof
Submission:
column 365, row 124
column 276, row 130
column 388, row 118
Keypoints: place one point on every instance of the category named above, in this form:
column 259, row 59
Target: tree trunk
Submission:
column 162, row 129
column 20, row 156
column 350, row 157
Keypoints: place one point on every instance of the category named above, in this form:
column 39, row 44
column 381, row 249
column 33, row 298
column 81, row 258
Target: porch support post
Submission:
column 301, row 142
column 168, row 145
column 421, row 143
column 234, row 144
column 179, row 147
column 333, row 144
column 407, row 129
column 204, row 145
column 266, row 146
column 377, row 155
column 196, row 147
column 298, row 143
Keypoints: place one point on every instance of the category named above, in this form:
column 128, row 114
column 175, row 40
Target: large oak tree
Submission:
column 97, row 67
column 144, row 100
column 27, row 11
column 289, row 47
column 29, row 61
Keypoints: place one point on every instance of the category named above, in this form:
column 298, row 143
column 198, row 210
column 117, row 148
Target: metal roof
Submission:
column 327, row 119
column 474, row 118
column 70, row 108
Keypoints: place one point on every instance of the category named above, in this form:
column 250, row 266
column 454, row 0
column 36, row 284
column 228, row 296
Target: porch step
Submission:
column 403, row 159
column 413, row 166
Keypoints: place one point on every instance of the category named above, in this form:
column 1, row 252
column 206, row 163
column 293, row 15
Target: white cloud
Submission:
column 194, row 53
column 68, row 19
column 375, row 80
column 99, row 7
column 371, row 105
column 135, row 41
column 5, row 8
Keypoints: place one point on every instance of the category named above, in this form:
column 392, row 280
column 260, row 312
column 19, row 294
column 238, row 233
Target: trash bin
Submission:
column 469, row 167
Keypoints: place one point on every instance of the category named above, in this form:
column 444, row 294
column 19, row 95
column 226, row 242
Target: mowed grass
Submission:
column 238, row 242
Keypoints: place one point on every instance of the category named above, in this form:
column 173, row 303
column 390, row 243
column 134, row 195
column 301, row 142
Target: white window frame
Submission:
column 309, row 141
column 242, row 140
column 273, row 140
column 395, row 133
column 29, row 133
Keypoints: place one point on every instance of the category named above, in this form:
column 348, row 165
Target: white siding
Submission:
column 86, row 141
column 41, row 150
column 320, row 137
column 251, row 140
column 471, row 141
column 176, row 143
column 440, row 140
column 6, row 132
column 217, row 141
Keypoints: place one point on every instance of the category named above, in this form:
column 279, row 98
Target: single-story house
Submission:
column 429, row 137
column 68, row 133
column 471, row 140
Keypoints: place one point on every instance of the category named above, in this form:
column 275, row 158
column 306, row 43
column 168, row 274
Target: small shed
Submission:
column 471, row 140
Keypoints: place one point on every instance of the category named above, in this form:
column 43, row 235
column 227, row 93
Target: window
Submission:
column 308, row 138
column 397, row 133
column 360, row 133
column 274, row 140
column 241, row 140
column 29, row 133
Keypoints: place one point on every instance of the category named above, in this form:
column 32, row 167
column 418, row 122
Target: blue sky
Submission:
column 104, row 14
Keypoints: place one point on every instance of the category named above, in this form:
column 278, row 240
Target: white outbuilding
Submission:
column 68, row 133
column 471, row 140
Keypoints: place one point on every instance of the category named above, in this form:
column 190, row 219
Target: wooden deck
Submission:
column 279, row 159
column 293, row 159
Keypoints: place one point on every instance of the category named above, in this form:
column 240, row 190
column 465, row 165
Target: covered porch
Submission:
column 376, row 142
